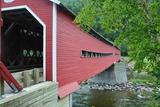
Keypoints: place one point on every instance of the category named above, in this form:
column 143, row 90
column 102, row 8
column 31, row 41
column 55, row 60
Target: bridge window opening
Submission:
column 23, row 40
column 90, row 54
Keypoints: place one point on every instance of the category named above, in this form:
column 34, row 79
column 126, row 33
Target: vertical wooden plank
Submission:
column 1, row 86
column 0, row 34
column 36, row 75
column 26, row 79
column 2, row 40
column 1, row 80
column 70, row 100
column 0, row 45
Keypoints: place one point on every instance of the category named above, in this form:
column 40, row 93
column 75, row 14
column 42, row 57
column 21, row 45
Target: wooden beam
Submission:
column 0, row 45
column 1, row 80
column 26, row 79
column 36, row 75
column 9, row 28
column 1, row 86
column 15, row 13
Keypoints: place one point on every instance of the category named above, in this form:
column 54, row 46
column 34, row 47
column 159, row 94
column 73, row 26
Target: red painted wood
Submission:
column 0, row 34
column 6, row 75
column 67, row 89
column 2, row 39
column 71, row 40
column 43, row 9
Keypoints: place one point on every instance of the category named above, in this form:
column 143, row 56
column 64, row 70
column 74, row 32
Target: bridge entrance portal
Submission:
column 22, row 40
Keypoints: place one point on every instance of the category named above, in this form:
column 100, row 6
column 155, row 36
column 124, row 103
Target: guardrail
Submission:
column 5, row 75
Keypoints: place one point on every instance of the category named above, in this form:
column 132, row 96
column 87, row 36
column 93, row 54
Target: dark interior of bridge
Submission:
column 22, row 37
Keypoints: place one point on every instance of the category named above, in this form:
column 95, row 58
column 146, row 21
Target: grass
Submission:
column 142, row 78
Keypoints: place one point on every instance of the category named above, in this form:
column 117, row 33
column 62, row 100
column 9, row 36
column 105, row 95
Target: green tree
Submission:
column 137, row 22
column 73, row 5
column 76, row 6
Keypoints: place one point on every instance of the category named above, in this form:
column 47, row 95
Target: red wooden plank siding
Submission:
column 67, row 89
column 0, row 34
column 71, row 40
column 43, row 9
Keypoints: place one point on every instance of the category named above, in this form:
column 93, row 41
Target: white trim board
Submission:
column 54, row 43
column 55, row 1
column 44, row 32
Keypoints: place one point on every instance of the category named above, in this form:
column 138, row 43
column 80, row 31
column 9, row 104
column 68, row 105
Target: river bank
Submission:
column 89, row 97
column 141, row 90
column 118, row 95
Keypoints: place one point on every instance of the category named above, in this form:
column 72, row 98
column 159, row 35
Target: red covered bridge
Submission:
column 41, row 33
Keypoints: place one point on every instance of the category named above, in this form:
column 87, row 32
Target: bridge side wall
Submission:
column 71, row 39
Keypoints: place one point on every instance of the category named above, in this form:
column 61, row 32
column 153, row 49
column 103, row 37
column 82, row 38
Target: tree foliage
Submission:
column 137, row 23
column 74, row 5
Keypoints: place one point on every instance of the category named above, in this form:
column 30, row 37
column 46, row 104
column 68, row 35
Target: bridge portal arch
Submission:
column 24, row 39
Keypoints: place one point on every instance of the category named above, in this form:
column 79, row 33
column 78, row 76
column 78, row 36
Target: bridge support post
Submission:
column 70, row 100
column 1, row 86
column 65, row 102
column 116, row 74
column 120, row 72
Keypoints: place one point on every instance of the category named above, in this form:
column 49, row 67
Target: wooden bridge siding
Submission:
column 0, row 35
column 71, row 40
column 43, row 9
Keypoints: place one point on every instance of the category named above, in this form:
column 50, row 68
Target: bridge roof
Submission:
column 93, row 32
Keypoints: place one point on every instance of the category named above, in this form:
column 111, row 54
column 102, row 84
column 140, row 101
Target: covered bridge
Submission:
column 41, row 33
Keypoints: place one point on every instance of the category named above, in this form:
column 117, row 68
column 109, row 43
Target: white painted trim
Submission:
column 70, row 100
column 55, row 1
column 8, row 1
column 54, row 43
column 44, row 32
